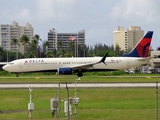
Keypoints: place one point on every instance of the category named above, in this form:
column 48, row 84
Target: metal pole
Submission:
column 75, row 88
column 68, row 114
column 58, row 99
column 75, row 110
column 30, row 101
column 75, row 48
column 156, row 100
column 77, row 44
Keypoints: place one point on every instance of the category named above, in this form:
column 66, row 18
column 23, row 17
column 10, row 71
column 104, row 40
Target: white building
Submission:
column 65, row 38
column 127, row 39
column 155, row 62
column 8, row 32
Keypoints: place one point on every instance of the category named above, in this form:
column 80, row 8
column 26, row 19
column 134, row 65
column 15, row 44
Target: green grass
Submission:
column 88, row 77
column 71, row 78
column 101, row 104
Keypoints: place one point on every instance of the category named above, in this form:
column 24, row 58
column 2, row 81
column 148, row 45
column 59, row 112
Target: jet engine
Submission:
column 64, row 71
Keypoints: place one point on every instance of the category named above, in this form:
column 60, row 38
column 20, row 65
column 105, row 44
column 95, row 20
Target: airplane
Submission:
column 63, row 66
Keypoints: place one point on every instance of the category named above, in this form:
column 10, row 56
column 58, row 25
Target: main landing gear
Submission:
column 17, row 75
column 79, row 74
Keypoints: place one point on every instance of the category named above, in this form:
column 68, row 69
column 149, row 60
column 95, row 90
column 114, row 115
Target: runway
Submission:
column 78, row 85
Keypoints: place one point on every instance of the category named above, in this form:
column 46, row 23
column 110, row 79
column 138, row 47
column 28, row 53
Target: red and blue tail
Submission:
column 142, row 47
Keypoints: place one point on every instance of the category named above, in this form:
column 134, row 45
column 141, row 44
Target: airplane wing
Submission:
column 87, row 66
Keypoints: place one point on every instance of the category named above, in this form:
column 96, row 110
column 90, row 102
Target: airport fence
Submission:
column 107, row 103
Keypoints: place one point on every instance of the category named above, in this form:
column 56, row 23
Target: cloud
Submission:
column 24, row 14
column 141, row 11
column 16, row 10
column 99, row 19
column 97, row 35
column 55, row 10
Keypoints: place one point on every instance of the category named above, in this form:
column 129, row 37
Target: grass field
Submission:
column 71, row 78
column 95, row 104
column 101, row 104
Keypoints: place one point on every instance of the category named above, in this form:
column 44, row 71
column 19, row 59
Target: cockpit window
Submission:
column 11, row 63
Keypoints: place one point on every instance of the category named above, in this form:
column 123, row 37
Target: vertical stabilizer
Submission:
column 142, row 47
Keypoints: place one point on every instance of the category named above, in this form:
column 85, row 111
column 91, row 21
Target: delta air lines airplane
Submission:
column 137, row 57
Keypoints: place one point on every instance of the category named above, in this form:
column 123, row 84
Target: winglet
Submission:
column 104, row 58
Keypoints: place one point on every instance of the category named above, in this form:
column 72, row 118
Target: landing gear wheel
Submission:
column 17, row 75
column 80, row 74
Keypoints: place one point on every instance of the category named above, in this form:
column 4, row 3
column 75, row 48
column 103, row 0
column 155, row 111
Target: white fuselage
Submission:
column 52, row 64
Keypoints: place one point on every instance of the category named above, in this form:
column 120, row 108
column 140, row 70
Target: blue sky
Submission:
column 99, row 18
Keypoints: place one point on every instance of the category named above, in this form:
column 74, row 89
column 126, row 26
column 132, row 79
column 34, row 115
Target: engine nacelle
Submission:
column 64, row 71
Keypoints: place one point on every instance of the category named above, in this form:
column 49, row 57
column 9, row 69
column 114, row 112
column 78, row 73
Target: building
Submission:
column 155, row 62
column 8, row 32
column 127, row 39
column 65, row 38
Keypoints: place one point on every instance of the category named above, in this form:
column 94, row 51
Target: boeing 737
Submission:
column 137, row 57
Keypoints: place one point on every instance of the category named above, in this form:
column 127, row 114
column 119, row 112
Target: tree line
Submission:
column 38, row 48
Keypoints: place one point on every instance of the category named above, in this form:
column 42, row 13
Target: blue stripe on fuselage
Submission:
column 134, row 53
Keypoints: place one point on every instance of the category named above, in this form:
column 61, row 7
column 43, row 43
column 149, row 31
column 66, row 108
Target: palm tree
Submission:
column 33, row 48
column 59, row 44
column 45, row 46
column 49, row 54
column 71, row 47
column 15, row 42
column 62, row 53
column 117, row 50
column 84, row 50
column 90, row 53
column 25, row 41
column 54, row 53
column 36, row 40
column 1, row 53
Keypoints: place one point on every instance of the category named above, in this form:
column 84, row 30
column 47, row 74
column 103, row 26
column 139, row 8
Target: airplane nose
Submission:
column 5, row 67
